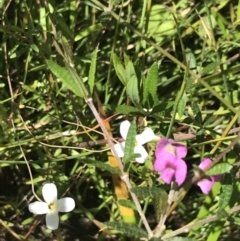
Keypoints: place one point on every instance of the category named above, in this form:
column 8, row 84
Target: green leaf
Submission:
column 150, row 84
column 221, row 213
column 126, row 109
column 212, row 66
column 191, row 60
column 101, row 165
column 182, row 105
column 181, row 239
column 219, row 168
column 64, row 76
column 227, row 190
column 154, row 192
column 92, row 71
column 160, row 204
column 127, row 229
column 87, row 31
column 127, row 203
column 130, row 143
column 120, row 71
column 132, row 90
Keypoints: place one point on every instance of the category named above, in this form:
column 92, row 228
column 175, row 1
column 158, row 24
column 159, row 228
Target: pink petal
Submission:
column 180, row 171
column 163, row 161
column 161, row 146
column 205, row 163
column 180, row 149
column 206, row 185
column 167, row 175
column 124, row 127
column 170, row 146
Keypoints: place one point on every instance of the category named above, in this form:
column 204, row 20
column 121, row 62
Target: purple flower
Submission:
column 206, row 184
column 168, row 161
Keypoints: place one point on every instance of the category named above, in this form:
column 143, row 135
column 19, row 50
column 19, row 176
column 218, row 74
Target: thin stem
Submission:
column 188, row 227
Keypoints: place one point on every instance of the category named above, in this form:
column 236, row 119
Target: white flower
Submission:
column 146, row 136
column 52, row 205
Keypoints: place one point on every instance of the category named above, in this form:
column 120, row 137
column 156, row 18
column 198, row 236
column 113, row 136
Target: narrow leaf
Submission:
column 182, row 105
column 132, row 90
column 92, row 71
column 120, row 71
column 154, row 192
column 130, row 143
column 131, row 230
column 127, row 203
column 219, row 168
column 150, row 84
column 227, row 190
column 126, row 109
column 64, row 76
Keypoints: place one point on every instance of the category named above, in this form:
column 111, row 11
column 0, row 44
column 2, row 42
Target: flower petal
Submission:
column 180, row 149
column 167, row 175
column 146, row 136
column 124, row 127
column 66, row 204
column 206, row 185
column 180, row 171
column 163, row 161
column 49, row 192
column 205, row 163
column 38, row 208
column 170, row 146
column 142, row 151
column 161, row 146
column 52, row 220
column 119, row 148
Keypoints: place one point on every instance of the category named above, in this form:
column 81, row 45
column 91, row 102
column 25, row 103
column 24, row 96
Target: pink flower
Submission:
column 168, row 161
column 206, row 184
column 170, row 146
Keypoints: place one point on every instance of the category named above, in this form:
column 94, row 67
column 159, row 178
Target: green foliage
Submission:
column 127, row 229
column 172, row 66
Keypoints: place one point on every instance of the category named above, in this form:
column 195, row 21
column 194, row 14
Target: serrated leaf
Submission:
column 92, row 71
column 120, row 71
column 64, row 76
column 126, row 109
column 130, row 143
column 150, row 84
column 127, row 229
column 226, row 194
column 127, row 203
column 191, row 60
column 154, row 192
column 236, row 220
column 132, row 90
column 219, row 168
column 181, row 239
column 221, row 213
column 101, row 165
column 210, row 67
column 182, row 105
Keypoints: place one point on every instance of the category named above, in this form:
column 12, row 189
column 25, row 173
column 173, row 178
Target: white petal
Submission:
column 119, row 147
column 38, row 208
column 52, row 220
column 146, row 136
column 124, row 127
column 66, row 204
column 144, row 155
column 49, row 192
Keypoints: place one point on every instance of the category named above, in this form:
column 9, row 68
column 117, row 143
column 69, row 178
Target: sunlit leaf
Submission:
column 219, row 168
column 127, row 229
column 92, row 71
column 154, row 192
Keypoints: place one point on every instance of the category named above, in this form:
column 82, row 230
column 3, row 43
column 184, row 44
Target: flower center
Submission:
column 170, row 148
column 52, row 206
